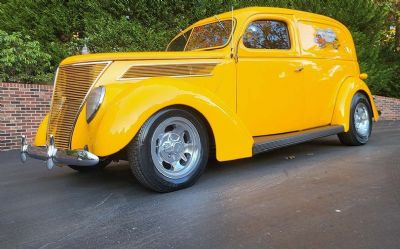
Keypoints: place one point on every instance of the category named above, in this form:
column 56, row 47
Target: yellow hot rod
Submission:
column 231, row 86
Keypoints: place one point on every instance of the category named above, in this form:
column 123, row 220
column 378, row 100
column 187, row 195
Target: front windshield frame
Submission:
column 190, row 28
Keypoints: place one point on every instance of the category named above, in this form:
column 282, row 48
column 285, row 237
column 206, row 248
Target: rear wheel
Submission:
column 360, row 122
column 101, row 165
column 170, row 151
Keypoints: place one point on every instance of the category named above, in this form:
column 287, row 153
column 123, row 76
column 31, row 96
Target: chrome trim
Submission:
column 179, row 76
column 24, row 147
column 90, row 63
column 52, row 156
column 103, row 93
column 173, row 63
column 51, row 152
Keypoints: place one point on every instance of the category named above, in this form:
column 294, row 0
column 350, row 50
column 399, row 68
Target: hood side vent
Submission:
column 168, row 70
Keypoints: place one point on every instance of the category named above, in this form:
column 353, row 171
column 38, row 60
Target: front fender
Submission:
column 139, row 101
column 349, row 87
column 40, row 138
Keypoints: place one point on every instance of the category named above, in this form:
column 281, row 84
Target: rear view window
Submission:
column 267, row 34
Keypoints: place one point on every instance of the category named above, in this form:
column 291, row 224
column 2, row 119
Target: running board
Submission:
column 271, row 142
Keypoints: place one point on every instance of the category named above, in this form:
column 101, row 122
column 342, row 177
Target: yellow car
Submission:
column 231, row 86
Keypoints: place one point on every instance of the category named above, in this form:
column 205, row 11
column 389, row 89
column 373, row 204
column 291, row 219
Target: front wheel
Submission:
column 360, row 122
column 170, row 151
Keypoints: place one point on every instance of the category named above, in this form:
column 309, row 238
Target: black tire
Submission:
column 352, row 137
column 140, row 158
column 101, row 165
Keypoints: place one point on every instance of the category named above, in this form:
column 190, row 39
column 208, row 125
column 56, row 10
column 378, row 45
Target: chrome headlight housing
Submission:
column 93, row 102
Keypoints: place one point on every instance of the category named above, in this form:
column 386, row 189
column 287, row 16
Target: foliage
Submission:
column 62, row 27
column 102, row 34
column 22, row 60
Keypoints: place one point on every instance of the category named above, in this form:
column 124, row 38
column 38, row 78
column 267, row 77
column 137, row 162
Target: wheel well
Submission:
column 206, row 123
column 122, row 154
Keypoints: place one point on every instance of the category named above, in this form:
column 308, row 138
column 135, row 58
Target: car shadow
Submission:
column 119, row 176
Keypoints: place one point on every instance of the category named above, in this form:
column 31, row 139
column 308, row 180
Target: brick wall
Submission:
column 23, row 106
column 389, row 107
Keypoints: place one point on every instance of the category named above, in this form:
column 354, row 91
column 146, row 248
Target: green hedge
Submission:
column 45, row 32
column 23, row 60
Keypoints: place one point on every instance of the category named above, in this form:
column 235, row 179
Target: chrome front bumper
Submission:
column 53, row 156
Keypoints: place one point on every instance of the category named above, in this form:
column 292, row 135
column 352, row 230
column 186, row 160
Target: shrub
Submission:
column 107, row 34
column 22, row 60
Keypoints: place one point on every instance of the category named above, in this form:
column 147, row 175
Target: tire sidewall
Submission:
column 148, row 167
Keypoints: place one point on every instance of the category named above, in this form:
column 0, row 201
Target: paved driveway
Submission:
column 328, row 196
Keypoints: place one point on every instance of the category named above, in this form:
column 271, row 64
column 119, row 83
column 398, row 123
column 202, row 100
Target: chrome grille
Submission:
column 174, row 70
column 72, row 84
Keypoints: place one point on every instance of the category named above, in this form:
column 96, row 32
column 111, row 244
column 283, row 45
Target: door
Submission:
column 269, row 87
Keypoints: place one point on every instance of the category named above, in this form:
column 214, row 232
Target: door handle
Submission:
column 298, row 70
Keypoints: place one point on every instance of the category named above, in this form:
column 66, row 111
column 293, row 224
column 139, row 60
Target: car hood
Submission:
column 135, row 56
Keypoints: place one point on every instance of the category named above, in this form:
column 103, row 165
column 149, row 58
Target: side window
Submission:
column 179, row 43
column 267, row 34
column 210, row 35
column 325, row 40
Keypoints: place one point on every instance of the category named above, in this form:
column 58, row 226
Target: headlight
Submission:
column 94, row 101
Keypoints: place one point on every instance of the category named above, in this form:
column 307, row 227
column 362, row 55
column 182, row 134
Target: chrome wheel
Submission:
column 175, row 147
column 362, row 120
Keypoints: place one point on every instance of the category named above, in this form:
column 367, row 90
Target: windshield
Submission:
column 211, row 35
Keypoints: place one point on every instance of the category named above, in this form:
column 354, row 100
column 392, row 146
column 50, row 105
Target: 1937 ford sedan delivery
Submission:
column 231, row 85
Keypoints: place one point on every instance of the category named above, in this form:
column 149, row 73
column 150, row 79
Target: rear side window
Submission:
column 325, row 40
column 267, row 34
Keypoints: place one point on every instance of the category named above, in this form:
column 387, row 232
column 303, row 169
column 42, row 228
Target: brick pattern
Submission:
column 23, row 106
column 389, row 107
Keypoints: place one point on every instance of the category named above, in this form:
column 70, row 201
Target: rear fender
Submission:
column 341, row 114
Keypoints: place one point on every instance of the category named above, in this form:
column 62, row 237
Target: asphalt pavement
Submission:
column 314, row 195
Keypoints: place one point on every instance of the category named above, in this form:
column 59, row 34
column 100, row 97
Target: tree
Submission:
column 22, row 60
column 63, row 26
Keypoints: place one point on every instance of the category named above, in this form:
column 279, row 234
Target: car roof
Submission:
column 246, row 12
